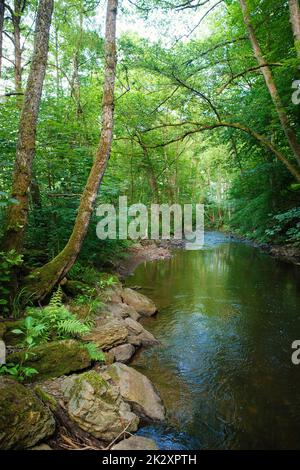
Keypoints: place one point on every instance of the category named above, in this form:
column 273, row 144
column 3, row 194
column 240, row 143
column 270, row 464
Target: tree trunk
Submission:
column 266, row 71
column 18, row 213
column 75, row 82
column 1, row 31
column 43, row 279
column 295, row 22
column 16, row 19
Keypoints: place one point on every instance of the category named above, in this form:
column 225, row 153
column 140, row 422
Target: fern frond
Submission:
column 95, row 353
column 72, row 327
column 56, row 299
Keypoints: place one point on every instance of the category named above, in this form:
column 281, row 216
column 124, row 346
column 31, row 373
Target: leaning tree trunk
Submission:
column 295, row 22
column 1, row 31
column 266, row 71
column 18, row 213
column 43, row 279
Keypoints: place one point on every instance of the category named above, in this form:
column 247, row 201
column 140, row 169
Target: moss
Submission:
column 53, row 359
column 11, row 338
column 93, row 378
column 2, row 329
column 98, row 383
column 23, row 418
column 45, row 397
column 105, row 277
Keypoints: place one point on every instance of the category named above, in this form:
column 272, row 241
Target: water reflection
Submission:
column 228, row 315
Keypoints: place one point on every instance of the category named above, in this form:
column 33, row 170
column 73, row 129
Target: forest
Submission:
column 162, row 101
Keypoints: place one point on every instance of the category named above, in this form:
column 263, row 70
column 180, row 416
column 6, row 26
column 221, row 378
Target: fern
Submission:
column 71, row 327
column 51, row 322
column 95, row 353
column 56, row 299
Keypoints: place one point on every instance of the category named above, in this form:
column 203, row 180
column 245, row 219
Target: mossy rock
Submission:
column 24, row 420
column 97, row 407
column 105, row 277
column 54, row 359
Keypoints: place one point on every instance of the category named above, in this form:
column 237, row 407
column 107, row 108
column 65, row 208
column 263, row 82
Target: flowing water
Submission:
column 228, row 315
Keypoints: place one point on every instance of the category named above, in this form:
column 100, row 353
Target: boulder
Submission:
column 113, row 294
column 97, row 407
column 139, row 302
column 137, row 335
column 123, row 353
column 137, row 390
column 121, row 310
column 108, row 332
column 24, row 420
column 136, row 443
column 54, row 359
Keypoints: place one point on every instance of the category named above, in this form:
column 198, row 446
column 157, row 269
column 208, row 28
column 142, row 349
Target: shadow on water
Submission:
column 228, row 315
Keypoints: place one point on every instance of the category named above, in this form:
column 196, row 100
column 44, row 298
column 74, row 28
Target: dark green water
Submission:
column 228, row 315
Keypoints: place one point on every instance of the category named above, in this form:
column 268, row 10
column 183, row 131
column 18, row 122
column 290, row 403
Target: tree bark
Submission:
column 17, row 217
column 266, row 71
column 43, row 279
column 75, row 82
column 295, row 22
column 16, row 20
column 1, row 31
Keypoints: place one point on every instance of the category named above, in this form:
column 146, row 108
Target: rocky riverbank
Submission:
column 74, row 402
column 288, row 253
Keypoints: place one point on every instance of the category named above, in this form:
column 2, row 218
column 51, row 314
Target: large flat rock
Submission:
column 137, row 390
column 142, row 304
column 108, row 332
column 137, row 335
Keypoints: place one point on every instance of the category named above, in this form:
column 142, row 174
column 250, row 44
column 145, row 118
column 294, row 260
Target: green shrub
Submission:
column 8, row 261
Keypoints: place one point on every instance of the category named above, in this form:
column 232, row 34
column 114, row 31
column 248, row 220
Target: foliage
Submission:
column 286, row 226
column 94, row 352
column 54, row 321
column 17, row 371
column 8, row 261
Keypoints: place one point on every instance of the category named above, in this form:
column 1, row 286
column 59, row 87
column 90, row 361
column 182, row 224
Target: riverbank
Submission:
column 287, row 253
column 76, row 401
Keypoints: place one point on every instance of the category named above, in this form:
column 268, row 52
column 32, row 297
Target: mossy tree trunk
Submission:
column 17, row 216
column 16, row 19
column 271, row 85
column 295, row 22
column 43, row 279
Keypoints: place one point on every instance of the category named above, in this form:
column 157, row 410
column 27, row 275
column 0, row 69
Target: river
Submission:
column 228, row 315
